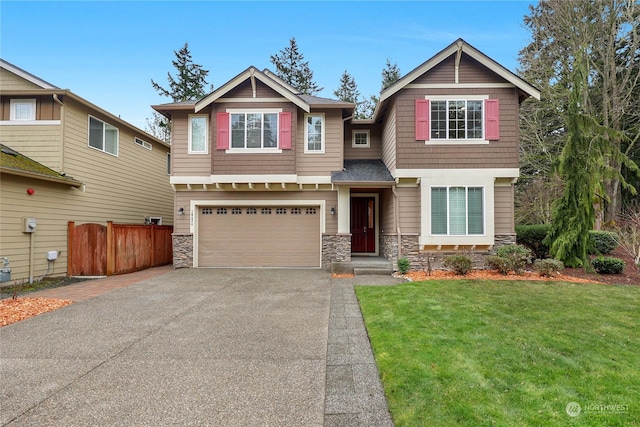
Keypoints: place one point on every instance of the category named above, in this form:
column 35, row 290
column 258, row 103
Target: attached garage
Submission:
column 259, row 236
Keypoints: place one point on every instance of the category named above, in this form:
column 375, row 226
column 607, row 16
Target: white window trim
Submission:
column 12, row 112
column 484, row 209
column 353, row 138
column 206, row 134
column 269, row 150
column 142, row 143
column 306, row 134
column 102, row 150
column 465, row 141
column 169, row 164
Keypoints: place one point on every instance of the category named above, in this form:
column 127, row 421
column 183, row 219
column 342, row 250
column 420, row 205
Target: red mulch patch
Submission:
column 14, row 310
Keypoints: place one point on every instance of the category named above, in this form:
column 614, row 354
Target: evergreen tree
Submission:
column 294, row 70
column 367, row 107
column 189, row 84
column 581, row 165
column 191, row 80
column 348, row 90
column 390, row 74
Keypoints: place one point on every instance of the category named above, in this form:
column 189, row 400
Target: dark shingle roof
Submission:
column 363, row 171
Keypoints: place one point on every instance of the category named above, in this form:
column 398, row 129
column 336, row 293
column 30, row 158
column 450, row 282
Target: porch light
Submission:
column 333, row 210
column 180, row 211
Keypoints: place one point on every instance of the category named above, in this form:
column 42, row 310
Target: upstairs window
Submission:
column 142, row 143
column 198, row 141
column 22, row 109
column 314, row 133
column 254, row 130
column 103, row 136
column 360, row 139
column 456, row 119
column 457, row 211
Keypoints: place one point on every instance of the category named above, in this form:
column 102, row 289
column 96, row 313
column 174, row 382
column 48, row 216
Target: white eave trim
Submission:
column 430, row 174
column 251, row 73
column 245, row 179
column 26, row 75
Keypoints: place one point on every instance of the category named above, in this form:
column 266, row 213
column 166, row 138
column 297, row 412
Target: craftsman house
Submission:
column 265, row 176
column 65, row 159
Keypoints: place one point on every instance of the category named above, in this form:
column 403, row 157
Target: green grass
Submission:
column 476, row 353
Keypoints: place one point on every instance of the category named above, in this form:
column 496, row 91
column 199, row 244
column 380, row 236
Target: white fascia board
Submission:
column 314, row 180
column 448, row 174
column 229, row 179
column 190, row 180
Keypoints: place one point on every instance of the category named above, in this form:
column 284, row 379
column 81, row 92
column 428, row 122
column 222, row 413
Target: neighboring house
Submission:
column 269, row 177
column 65, row 159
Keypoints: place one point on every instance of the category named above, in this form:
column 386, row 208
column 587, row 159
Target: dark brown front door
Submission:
column 363, row 232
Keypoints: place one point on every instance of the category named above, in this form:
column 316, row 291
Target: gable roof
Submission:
column 253, row 74
column 458, row 47
column 26, row 75
column 14, row 163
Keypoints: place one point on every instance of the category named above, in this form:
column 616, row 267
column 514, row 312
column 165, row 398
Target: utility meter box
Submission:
column 52, row 255
column 29, row 225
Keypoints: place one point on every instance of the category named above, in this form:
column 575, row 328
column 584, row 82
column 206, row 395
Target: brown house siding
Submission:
column 374, row 152
column 409, row 204
column 504, row 223
column 183, row 163
column 412, row 154
column 389, row 138
column 251, row 164
column 311, row 164
column 46, row 107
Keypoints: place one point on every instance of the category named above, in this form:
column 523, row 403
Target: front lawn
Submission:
column 475, row 353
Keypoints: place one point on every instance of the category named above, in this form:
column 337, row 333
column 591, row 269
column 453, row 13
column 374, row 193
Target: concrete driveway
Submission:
column 191, row 347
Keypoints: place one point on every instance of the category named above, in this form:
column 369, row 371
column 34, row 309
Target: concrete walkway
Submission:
column 195, row 347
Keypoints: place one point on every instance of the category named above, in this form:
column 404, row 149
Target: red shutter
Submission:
column 222, row 136
column 492, row 119
column 285, row 130
column 422, row 119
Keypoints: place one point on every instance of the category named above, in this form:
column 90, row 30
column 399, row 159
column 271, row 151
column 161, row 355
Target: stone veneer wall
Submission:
column 335, row 248
column 182, row 250
column 389, row 248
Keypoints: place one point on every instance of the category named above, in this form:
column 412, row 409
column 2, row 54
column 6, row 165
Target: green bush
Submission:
column 403, row 265
column 461, row 264
column 602, row 242
column 608, row 265
column 532, row 236
column 517, row 256
column 548, row 267
column 495, row 262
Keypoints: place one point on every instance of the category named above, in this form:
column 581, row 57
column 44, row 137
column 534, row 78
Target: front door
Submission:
column 363, row 232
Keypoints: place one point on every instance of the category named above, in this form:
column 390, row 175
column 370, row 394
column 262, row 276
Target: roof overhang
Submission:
column 42, row 177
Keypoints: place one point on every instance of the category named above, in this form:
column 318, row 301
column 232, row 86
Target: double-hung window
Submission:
column 103, row 136
column 457, row 211
column 254, row 130
column 198, row 131
column 360, row 139
column 314, row 133
column 456, row 119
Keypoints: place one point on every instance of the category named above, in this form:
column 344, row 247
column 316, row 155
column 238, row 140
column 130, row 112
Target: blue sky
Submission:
column 107, row 52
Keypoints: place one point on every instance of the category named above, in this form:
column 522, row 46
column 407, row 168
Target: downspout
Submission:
column 396, row 213
column 62, row 132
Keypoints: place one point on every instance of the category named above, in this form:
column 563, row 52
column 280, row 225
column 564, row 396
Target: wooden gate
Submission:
column 96, row 250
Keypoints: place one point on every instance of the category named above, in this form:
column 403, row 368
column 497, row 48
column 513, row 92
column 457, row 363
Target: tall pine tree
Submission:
column 191, row 80
column 293, row 69
column 390, row 74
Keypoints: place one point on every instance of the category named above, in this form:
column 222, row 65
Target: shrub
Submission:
column 461, row 264
column 602, row 242
column 532, row 236
column 403, row 265
column 517, row 256
column 548, row 267
column 608, row 265
column 495, row 262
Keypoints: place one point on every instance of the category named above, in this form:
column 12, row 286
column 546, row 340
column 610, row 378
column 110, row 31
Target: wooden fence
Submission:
column 96, row 250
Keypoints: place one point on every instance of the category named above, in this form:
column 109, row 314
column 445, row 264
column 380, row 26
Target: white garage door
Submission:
column 264, row 236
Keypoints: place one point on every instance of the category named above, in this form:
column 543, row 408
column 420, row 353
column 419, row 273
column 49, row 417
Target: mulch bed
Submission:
column 14, row 310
